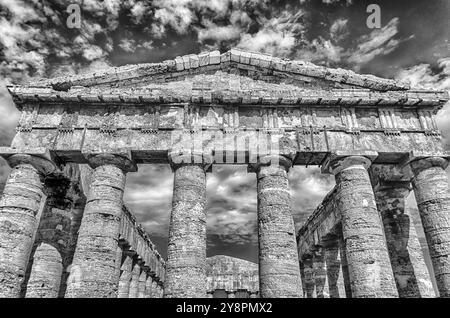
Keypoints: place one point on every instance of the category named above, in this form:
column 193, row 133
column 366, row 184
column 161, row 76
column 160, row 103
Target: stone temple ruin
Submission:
column 66, row 232
column 229, row 277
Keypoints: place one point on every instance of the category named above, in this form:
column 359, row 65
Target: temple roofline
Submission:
column 213, row 60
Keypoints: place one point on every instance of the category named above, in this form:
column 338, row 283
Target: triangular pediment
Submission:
column 235, row 69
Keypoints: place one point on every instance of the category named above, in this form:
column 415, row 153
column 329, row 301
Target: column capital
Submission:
column 418, row 165
column 178, row 158
column 123, row 161
column 338, row 161
column 275, row 160
column 42, row 163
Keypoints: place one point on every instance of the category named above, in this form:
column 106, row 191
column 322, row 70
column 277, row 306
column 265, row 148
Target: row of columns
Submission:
column 95, row 268
column 136, row 282
column 378, row 244
column 94, row 272
column 279, row 273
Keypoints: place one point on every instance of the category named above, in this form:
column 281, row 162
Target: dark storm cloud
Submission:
column 412, row 45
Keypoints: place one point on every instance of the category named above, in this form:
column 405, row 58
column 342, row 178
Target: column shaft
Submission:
column 368, row 259
column 320, row 273
column 93, row 272
column 410, row 271
column 134, row 284
column 125, row 277
column 309, row 279
column 333, row 267
column 148, row 287
column 45, row 277
column 56, row 221
column 279, row 270
column 155, row 289
column 186, row 252
column 431, row 188
column 344, row 267
column 142, row 284
column 21, row 201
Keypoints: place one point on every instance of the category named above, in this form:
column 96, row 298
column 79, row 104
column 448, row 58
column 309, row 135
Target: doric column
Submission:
column 20, row 203
column 125, row 277
column 142, row 284
column 279, row 273
column 148, row 287
column 308, row 277
column 333, row 266
column 408, row 264
column 45, row 277
column 93, row 271
column 154, row 289
column 344, row 267
column 431, row 188
column 134, row 284
column 161, row 291
column 365, row 247
column 320, row 273
column 56, row 221
column 186, row 251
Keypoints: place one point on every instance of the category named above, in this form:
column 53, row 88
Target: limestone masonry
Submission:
column 65, row 231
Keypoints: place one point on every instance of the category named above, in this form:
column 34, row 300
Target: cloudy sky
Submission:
column 412, row 45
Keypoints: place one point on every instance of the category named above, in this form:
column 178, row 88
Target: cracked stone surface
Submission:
column 125, row 278
column 279, row 272
column 369, row 266
column 431, row 189
column 93, row 272
column 410, row 271
column 21, row 200
column 46, row 273
column 186, row 252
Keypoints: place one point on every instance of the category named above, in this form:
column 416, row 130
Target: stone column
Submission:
column 279, row 273
column 333, row 266
column 56, row 220
column 408, row 264
column 21, row 201
column 320, row 273
column 431, row 188
column 93, row 271
column 344, row 267
column 365, row 247
column 125, row 277
column 142, row 284
column 148, row 287
column 309, row 280
column 134, row 284
column 154, row 289
column 186, row 251
column 45, row 277
column 161, row 291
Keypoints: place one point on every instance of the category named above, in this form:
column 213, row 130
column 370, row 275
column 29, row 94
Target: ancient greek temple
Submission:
column 65, row 231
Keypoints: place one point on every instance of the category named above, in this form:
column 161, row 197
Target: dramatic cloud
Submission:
column 9, row 116
column 423, row 76
column 36, row 42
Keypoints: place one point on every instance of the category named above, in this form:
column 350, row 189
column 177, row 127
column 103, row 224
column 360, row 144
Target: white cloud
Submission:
column 9, row 116
column 421, row 76
column 378, row 42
